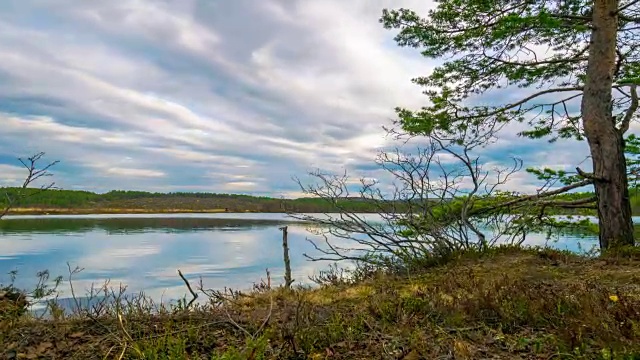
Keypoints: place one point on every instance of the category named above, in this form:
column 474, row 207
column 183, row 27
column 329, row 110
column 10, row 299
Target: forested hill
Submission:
column 140, row 201
column 118, row 201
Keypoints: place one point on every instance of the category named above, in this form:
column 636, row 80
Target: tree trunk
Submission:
column 605, row 140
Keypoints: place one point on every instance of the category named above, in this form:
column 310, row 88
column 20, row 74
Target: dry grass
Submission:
column 510, row 304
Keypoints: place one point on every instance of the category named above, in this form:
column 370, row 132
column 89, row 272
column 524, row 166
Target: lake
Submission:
column 145, row 251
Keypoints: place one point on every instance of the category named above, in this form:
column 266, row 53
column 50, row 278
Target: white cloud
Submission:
column 234, row 185
column 125, row 172
column 160, row 22
column 11, row 175
column 163, row 94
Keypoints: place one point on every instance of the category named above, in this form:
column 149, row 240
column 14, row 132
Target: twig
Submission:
column 127, row 335
column 109, row 352
column 626, row 121
column 234, row 323
column 124, row 349
column 76, row 301
column 264, row 323
column 195, row 296
column 266, row 320
column 122, row 327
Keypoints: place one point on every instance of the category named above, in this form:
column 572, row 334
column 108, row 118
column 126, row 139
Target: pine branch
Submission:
column 527, row 198
column 525, row 100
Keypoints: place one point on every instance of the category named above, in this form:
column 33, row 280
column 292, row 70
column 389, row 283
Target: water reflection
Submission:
column 144, row 252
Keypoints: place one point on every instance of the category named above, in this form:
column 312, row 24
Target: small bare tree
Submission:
column 442, row 200
column 14, row 301
column 13, row 196
column 425, row 211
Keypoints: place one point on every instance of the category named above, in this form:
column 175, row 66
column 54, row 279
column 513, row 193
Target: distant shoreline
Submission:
column 72, row 202
column 117, row 211
column 100, row 211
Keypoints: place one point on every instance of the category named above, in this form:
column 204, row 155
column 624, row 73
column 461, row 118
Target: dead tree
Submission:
column 288, row 281
column 34, row 174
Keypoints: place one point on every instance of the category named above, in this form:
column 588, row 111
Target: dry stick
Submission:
column 127, row 336
column 266, row 319
column 124, row 349
column 109, row 352
column 264, row 323
column 287, row 261
column 195, row 296
column 234, row 323
column 122, row 327
column 268, row 279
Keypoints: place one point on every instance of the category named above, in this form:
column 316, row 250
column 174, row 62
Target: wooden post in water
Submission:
column 287, row 262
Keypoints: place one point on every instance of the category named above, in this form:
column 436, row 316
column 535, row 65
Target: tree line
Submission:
column 119, row 199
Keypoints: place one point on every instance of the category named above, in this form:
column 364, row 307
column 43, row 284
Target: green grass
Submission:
column 505, row 304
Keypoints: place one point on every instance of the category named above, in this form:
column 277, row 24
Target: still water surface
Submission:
column 145, row 251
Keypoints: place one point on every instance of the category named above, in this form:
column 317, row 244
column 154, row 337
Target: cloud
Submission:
column 11, row 175
column 125, row 172
column 160, row 95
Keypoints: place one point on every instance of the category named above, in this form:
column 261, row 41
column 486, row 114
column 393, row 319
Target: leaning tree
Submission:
column 575, row 62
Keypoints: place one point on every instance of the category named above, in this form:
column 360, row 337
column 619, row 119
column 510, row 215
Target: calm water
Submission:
column 145, row 251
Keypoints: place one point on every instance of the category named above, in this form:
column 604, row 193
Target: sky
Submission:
column 210, row 95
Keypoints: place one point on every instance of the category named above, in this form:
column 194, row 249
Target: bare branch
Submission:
column 626, row 121
column 631, row 19
column 589, row 176
column 535, row 62
column 528, row 198
column 524, row 101
column 33, row 174
column 193, row 294
column 626, row 6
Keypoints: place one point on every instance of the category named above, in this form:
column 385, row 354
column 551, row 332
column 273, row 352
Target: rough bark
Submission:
column 605, row 140
column 288, row 281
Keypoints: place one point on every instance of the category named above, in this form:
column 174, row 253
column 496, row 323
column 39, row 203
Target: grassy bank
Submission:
column 509, row 304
